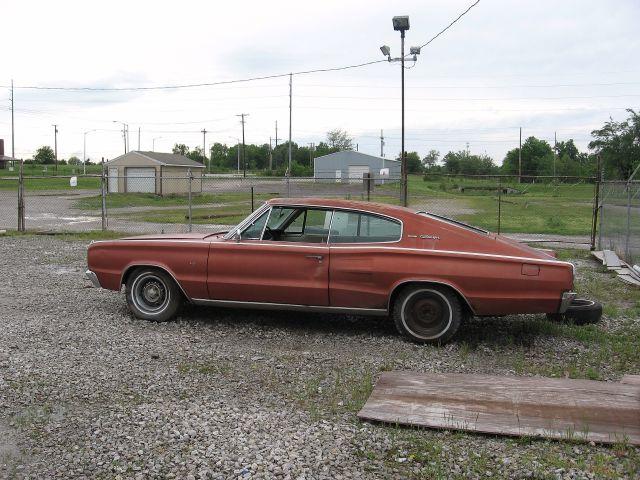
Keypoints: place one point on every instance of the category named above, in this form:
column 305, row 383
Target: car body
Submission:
column 340, row 256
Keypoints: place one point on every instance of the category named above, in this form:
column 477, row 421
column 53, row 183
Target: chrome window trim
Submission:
column 366, row 212
column 289, row 306
column 294, row 207
column 242, row 225
column 265, row 224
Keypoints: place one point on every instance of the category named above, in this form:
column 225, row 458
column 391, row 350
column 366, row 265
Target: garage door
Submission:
column 142, row 180
column 356, row 173
column 113, row 180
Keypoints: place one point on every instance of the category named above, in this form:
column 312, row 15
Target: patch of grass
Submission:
column 70, row 236
column 123, row 200
column 213, row 368
column 229, row 215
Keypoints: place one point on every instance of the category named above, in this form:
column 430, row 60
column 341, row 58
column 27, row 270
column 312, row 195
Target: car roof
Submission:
column 382, row 208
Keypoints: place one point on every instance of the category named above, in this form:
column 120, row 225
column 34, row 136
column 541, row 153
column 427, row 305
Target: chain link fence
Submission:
column 619, row 228
column 537, row 209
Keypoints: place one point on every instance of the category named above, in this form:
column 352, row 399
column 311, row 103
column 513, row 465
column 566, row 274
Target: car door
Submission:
column 287, row 264
column 361, row 270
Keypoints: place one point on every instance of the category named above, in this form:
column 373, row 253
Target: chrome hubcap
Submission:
column 149, row 294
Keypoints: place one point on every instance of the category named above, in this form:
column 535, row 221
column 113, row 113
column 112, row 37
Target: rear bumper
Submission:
column 567, row 298
column 93, row 277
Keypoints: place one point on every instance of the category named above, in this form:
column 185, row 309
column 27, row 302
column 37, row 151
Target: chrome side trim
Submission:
column 567, row 298
column 288, row 306
column 434, row 282
column 93, row 277
column 161, row 267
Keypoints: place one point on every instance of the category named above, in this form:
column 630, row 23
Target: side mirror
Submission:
column 237, row 235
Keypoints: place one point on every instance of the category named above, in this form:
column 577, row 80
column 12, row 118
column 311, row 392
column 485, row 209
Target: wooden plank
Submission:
column 631, row 379
column 611, row 260
column 629, row 279
column 598, row 254
column 555, row 408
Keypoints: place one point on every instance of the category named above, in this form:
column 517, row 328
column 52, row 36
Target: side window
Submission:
column 298, row 225
column 351, row 227
column 254, row 230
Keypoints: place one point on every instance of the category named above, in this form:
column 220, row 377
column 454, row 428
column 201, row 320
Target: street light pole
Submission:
column 244, row 155
column 401, row 24
column 404, row 156
column 204, row 147
column 55, row 146
column 84, row 152
column 153, row 143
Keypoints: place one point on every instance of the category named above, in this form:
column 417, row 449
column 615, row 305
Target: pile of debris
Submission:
column 627, row 273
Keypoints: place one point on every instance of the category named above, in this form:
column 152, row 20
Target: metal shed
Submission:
column 153, row 172
column 350, row 166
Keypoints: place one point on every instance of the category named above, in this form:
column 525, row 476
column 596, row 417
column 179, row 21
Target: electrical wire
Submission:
column 450, row 25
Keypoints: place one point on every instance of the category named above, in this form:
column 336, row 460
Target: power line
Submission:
column 229, row 82
column 450, row 25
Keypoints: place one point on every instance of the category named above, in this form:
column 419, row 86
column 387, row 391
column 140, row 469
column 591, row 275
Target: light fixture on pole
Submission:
column 84, row 151
column 401, row 24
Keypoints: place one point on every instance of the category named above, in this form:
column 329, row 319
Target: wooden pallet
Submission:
column 605, row 412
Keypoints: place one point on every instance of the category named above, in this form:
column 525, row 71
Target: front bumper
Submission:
column 93, row 277
column 567, row 298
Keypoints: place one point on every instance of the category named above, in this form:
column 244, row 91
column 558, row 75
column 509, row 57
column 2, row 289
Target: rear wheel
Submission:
column 427, row 314
column 152, row 295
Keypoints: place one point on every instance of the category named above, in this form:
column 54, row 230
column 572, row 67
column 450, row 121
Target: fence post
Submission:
column 252, row 209
column 499, row 203
column 21, row 225
column 596, row 206
column 103, row 194
column 627, row 251
column 190, row 180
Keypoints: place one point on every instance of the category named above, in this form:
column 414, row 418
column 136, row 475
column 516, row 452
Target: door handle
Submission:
column 317, row 257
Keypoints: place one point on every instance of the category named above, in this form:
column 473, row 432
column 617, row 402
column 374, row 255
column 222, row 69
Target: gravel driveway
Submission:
column 87, row 391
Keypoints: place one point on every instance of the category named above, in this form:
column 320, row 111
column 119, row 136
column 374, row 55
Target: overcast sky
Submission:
column 547, row 66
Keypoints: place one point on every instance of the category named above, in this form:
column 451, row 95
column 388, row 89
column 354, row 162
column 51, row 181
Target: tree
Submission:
column 618, row 143
column 180, row 149
column 465, row 163
column 195, row 154
column 414, row 165
column 537, row 158
column 339, row 140
column 431, row 159
column 74, row 161
column 45, row 155
column 218, row 154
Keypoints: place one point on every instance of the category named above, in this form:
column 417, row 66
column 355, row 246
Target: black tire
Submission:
column 152, row 295
column 427, row 314
column 583, row 311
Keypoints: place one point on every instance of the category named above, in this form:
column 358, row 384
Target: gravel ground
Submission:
column 87, row 391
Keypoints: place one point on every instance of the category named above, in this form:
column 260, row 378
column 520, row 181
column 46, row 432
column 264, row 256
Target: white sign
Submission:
column 73, row 182
column 384, row 172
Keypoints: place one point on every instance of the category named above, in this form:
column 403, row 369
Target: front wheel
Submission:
column 152, row 295
column 427, row 314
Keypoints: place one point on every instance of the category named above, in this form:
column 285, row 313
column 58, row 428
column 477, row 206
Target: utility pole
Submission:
column 311, row 146
column 204, row 147
column 520, row 158
column 244, row 156
column 381, row 143
column 555, row 153
column 276, row 133
column 55, row 146
column 13, row 147
column 290, row 116
column 270, row 155
column 139, row 138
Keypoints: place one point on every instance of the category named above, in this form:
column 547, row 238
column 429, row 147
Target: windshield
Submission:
column 454, row 222
column 244, row 223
